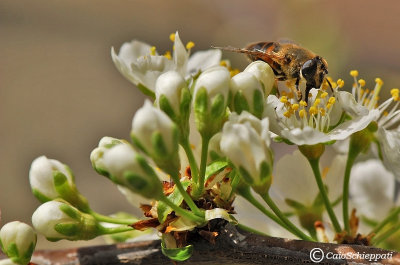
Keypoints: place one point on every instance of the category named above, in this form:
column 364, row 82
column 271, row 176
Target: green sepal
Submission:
column 136, row 181
column 185, row 104
column 137, row 143
column 177, row 254
column 166, row 107
column 240, row 103
column 26, row 257
column 67, row 229
column 12, row 251
column 265, row 171
column 175, row 197
column 298, row 206
column 331, row 142
column 218, row 107
column 70, row 211
column 246, row 176
column 146, row 91
column 201, row 109
column 235, row 180
column 53, row 239
column 215, row 167
column 258, row 101
column 101, row 171
column 159, row 147
column 40, row 196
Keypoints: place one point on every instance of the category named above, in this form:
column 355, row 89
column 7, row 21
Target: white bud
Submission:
column 58, row 220
column 263, row 72
column 245, row 141
column 20, row 237
column 41, row 177
column 170, row 85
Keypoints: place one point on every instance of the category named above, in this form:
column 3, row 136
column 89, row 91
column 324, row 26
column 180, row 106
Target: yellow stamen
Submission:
column 287, row 114
column 340, row 83
column 378, row 81
column 284, row 99
column 302, row 113
column 223, row 63
column 189, row 45
column 394, row 91
column 290, row 95
column 322, row 111
column 317, row 102
column 361, row 82
column 295, row 107
column 324, row 95
column 325, row 172
column 168, row 55
column 313, row 110
column 332, row 100
column 303, row 103
column 329, row 105
column 234, row 72
column 153, row 50
column 385, row 113
column 172, row 36
column 354, row 73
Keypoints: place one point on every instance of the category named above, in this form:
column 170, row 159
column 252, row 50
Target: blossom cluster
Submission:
column 213, row 142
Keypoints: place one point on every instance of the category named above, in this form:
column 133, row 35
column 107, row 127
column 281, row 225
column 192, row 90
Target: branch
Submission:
column 232, row 246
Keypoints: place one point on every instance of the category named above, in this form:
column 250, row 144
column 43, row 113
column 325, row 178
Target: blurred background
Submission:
column 60, row 92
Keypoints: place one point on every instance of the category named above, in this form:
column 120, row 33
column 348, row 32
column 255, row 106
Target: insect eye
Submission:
column 308, row 69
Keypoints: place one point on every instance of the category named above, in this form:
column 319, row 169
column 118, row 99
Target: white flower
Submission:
column 41, row 177
column 263, row 72
column 141, row 64
column 24, row 238
column 245, row 141
column 315, row 122
column 372, row 189
column 58, row 220
column 390, row 145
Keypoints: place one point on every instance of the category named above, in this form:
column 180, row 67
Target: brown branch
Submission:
column 232, row 247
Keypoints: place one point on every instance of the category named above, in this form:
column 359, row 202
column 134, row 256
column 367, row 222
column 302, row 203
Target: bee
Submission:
column 289, row 62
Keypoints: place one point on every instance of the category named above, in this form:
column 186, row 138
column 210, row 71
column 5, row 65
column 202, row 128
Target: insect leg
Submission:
column 329, row 83
column 308, row 88
column 299, row 94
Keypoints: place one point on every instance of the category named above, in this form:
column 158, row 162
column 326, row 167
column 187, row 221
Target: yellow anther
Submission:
column 284, row 99
column 354, row 73
column 284, row 93
column 340, row 83
column 290, row 95
column 378, row 81
column 287, row 114
column 317, row 102
column 168, row 55
column 324, row 95
column 385, row 113
column 153, row 50
column 302, row 113
column 223, row 63
column 234, row 72
column 332, row 100
column 172, row 36
column 310, row 95
column 322, row 111
column 329, row 79
column 189, row 45
column 303, row 103
column 361, row 82
column 366, row 91
column 329, row 105
column 313, row 110
column 394, row 91
column 295, row 107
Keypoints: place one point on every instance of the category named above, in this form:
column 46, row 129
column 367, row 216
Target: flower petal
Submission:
column 202, row 60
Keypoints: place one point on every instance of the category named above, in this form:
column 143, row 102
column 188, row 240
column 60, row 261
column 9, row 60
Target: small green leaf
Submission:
column 215, row 167
column 177, row 254
column 176, row 197
column 146, row 91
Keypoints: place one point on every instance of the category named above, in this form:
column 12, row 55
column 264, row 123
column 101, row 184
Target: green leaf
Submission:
column 215, row 167
column 176, row 197
column 177, row 254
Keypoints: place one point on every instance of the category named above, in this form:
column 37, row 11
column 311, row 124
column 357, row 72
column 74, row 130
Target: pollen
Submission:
column 332, row 100
column 168, row 55
column 317, row 102
column 153, row 50
column 361, row 82
column 172, row 36
column 302, row 113
column 303, row 103
column 322, row 111
column 223, row 63
column 340, row 83
column 354, row 73
column 284, row 99
column 378, row 81
column 287, row 114
column 324, row 95
column 295, row 107
column 313, row 110
column 189, row 45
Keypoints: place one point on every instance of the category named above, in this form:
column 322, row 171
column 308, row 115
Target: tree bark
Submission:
column 232, row 246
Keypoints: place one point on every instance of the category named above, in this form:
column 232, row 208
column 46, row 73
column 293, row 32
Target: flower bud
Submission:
column 173, row 97
column 18, row 241
column 263, row 72
column 247, row 94
column 210, row 99
column 50, row 179
column 58, row 220
column 245, row 141
column 130, row 169
column 157, row 135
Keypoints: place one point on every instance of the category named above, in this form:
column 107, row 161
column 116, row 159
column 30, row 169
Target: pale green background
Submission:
column 60, row 93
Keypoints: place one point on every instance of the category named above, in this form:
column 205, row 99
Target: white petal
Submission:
column 390, row 144
column 202, row 60
column 180, row 56
column 350, row 105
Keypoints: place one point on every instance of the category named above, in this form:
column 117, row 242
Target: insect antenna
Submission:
column 239, row 50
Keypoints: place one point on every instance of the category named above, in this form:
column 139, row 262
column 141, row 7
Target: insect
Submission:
column 289, row 62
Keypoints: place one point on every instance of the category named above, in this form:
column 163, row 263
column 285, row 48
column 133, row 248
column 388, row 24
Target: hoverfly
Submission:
column 289, row 62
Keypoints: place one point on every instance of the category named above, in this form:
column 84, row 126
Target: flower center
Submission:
column 389, row 109
column 315, row 114
column 168, row 54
